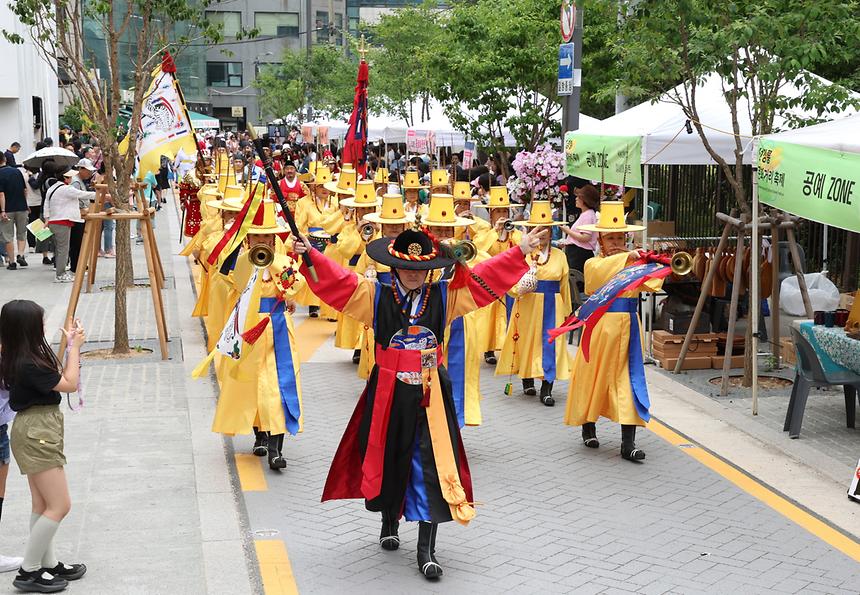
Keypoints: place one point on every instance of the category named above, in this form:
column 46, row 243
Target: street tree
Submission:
column 323, row 79
column 757, row 49
column 134, row 31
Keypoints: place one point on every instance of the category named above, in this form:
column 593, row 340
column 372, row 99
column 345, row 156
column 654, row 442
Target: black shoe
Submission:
column 388, row 538
column 529, row 387
column 356, row 356
column 39, row 581
column 546, row 394
column 70, row 572
column 490, row 358
column 21, row 261
column 427, row 563
column 313, row 311
column 260, row 440
column 12, row 266
column 628, row 444
column 589, row 435
column 46, row 260
column 276, row 458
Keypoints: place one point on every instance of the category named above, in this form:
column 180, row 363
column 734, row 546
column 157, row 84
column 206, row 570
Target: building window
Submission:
column 323, row 30
column 37, row 112
column 277, row 24
column 224, row 74
column 232, row 21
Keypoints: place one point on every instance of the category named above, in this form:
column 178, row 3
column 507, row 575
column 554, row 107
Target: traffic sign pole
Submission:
column 570, row 113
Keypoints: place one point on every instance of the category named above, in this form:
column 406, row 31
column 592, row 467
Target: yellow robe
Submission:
column 601, row 387
column 523, row 357
column 211, row 226
column 250, row 394
column 330, row 219
column 219, row 288
column 494, row 330
column 368, row 346
column 349, row 245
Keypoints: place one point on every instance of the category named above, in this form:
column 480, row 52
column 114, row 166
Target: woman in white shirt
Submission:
column 61, row 211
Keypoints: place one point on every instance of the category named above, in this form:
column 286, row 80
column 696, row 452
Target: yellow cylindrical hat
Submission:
column 381, row 176
column 209, row 192
column 463, row 191
column 225, row 205
column 439, row 177
column 321, row 175
column 442, row 213
column 392, row 211
column 540, row 215
column 345, row 183
column 499, row 198
column 234, row 192
column 365, row 196
column 411, row 181
column 611, row 219
column 265, row 220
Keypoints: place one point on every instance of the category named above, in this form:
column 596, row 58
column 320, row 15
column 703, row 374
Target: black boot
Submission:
column 261, row 439
column 490, row 358
column 313, row 311
column 388, row 538
column 529, row 387
column 628, row 444
column 589, row 434
column 276, row 459
column 356, row 356
column 546, row 394
column 427, row 563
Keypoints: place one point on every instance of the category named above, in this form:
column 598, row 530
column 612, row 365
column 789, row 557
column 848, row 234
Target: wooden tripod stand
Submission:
column 88, row 259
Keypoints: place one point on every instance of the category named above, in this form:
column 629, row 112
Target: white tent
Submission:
column 839, row 135
column 663, row 125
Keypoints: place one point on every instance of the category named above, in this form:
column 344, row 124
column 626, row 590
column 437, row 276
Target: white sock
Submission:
column 41, row 536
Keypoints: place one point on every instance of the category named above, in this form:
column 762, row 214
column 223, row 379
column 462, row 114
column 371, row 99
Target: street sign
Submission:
column 565, row 69
column 568, row 20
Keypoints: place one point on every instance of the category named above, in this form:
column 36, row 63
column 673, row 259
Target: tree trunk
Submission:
column 852, row 262
column 123, row 280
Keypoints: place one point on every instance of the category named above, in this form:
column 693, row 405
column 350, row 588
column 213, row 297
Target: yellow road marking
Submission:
column 275, row 568
column 311, row 334
column 780, row 504
column 250, row 471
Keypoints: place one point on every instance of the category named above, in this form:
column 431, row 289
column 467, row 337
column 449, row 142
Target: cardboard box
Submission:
column 699, row 362
column 736, row 362
column 665, row 344
column 660, row 229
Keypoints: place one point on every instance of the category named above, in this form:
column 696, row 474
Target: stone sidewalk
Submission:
column 153, row 503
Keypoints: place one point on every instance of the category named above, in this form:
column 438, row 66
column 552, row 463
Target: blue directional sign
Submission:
column 565, row 69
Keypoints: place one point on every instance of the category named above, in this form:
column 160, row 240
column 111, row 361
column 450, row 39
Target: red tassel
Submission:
column 425, row 402
column 461, row 276
column 252, row 334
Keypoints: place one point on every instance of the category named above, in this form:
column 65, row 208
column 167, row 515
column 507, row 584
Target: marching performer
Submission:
column 463, row 202
column 189, row 202
column 402, row 451
column 351, row 243
column 412, row 189
column 292, row 187
column 392, row 221
column 261, row 383
column 541, row 302
column 499, row 236
column 612, row 383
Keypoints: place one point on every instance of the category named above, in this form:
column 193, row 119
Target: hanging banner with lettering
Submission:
column 817, row 184
column 611, row 159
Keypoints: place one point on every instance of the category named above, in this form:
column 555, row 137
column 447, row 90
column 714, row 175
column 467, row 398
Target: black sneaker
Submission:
column 39, row 581
column 70, row 572
column 11, row 266
column 21, row 261
column 46, row 260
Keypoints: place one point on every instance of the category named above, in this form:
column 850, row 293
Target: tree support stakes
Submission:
column 737, row 281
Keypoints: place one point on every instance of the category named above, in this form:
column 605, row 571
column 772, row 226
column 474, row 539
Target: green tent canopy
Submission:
column 203, row 121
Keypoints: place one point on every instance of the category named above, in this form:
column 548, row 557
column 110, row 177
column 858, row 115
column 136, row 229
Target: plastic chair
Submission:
column 576, row 297
column 808, row 374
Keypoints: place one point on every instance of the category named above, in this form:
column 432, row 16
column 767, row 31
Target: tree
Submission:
column 324, row 80
column 139, row 31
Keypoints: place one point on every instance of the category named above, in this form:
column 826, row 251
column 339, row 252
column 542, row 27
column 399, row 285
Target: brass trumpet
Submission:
column 366, row 231
column 261, row 255
column 460, row 250
column 508, row 225
column 681, row 263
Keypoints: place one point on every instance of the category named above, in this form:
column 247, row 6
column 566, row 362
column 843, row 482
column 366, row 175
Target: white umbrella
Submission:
column 60, row 156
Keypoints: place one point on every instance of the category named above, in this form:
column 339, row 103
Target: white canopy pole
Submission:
column 755, row 300
column 825, row 265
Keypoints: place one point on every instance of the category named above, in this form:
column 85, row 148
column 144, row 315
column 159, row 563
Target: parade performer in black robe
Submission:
column 402, row 450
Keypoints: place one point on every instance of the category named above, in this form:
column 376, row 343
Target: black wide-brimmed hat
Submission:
column 411, row 249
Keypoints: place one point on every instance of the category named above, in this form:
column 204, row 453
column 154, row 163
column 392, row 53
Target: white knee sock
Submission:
column 41, row 538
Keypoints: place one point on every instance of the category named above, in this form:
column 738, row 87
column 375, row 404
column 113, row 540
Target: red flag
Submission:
column 356, row 136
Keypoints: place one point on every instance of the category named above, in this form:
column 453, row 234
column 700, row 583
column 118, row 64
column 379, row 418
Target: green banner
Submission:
column 611, row 159
column 816, row 184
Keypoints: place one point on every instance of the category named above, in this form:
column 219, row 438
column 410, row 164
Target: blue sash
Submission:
column 384, row 278
column 457, row 367
column 549, row 289
column 635, row 364
column 354, row 260
column 284, row 364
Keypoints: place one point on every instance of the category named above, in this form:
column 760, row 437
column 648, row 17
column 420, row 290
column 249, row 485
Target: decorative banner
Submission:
column 816, row 184
column 308, row 133
column 322, row 135
column 468, row 154
column 415, row 143
column 611, row 159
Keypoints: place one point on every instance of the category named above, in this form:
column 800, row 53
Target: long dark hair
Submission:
column 22, row 339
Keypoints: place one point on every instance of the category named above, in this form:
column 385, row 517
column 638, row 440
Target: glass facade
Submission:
column 224, row 74
column 277, row 24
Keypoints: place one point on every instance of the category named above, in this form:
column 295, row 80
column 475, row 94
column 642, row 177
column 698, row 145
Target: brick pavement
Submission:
column 555, row 517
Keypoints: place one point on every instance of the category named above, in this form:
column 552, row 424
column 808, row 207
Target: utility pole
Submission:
column 331, row 25
column 309, row 22
column 570, row 111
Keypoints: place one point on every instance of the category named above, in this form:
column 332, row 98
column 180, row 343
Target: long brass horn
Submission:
column 460, row 250
column 261, row 255
column 681, row 263
column 366, row 231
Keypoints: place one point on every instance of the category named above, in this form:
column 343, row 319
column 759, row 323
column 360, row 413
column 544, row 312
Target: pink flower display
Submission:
column 538, row 175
